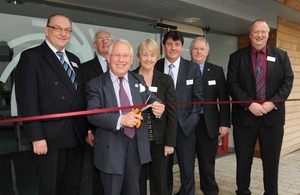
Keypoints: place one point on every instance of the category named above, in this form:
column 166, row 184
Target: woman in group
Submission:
column 162, row 133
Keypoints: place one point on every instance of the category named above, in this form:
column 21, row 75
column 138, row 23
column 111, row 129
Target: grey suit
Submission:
column 188, row 89
column 112, row 145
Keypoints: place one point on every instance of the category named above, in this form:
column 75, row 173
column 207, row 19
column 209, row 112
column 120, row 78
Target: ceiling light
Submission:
column 16, row 2
column 191, row 20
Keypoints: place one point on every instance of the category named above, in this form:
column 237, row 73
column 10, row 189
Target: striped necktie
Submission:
column 259, row 78
column 124, row 101
column 171, row 73
column 68, row 69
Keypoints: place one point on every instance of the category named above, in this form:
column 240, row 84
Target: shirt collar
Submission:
column 115, row 78
column 263, row 50
column 176, row 63
column 53, row 48
column 100, row 58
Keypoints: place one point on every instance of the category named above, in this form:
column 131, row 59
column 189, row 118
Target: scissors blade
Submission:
column 146, row 107
column 147, row 99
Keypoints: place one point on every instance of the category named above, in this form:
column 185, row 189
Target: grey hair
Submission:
column 120, row 41
column 199, row 39
column 101, row 31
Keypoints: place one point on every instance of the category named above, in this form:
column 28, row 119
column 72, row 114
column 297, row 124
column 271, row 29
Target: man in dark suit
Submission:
column 214, row 119
column 44, row 87
column 188, row 85
column 98, row 65
column 261, row 110
column 120, row 147
column 91, row 69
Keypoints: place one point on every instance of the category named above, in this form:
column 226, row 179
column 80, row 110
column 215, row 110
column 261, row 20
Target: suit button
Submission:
column 55, row 83
column 63, row 97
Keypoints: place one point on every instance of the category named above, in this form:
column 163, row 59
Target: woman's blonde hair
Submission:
column 148, row 44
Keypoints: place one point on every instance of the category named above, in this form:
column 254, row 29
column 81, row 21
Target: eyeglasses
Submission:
column 60, row 30
column 104, row 39
column 124, row 56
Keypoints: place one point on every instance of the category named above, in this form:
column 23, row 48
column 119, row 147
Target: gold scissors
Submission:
column 139, row 111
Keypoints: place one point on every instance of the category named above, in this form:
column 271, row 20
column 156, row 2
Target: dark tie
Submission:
column 171, row 73
column 259, row 77
column 107, row 65
column 124, row 101
column 68, row 69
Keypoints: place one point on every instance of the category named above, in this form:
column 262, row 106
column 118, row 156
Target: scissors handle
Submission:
column 138, row 111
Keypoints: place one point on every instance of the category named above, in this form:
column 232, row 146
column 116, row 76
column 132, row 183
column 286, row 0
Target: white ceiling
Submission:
column 222, row 16
column 225, row 16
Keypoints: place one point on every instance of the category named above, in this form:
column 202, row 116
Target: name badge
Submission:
column 212, row 82
column 271, row 59
column 189, row 82
column 142, row 88
column 153, row 89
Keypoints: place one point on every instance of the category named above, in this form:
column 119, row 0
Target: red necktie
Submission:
column 259, row 77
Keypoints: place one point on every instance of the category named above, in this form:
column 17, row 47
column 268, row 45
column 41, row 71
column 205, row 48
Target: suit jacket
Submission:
column 91, row 69
column 214, row 89
column 241, row 86
column 109, row 143
column 43, row 87
column 188, row 89
column 164, row 130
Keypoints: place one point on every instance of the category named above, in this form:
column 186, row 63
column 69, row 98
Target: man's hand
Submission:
column 40, row 147
column 268, row 106
column 157, row 109
column 169, row 150
column 90, row 139
column 130, row 119
column 223, row 131
column 257, row 109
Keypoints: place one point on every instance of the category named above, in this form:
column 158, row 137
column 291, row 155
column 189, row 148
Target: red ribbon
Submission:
column 97, row 111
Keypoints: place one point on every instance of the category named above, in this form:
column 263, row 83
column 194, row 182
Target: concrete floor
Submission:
column 289, row 175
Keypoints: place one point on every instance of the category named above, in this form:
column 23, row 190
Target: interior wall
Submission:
column 288, row 39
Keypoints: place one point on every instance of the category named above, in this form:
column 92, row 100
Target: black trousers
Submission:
column 270, row 139
column 59, row 171
column 156, row 170
column 206, row 149
column 97, row 187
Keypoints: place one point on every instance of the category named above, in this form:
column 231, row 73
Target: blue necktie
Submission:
column 259, row 78
column 68, row 69
column 171, row 73
column 124, row 101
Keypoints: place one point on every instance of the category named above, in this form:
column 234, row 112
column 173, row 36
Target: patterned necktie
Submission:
column 124, row 101
column 171, row 73
column 259, row 78
column 68, row 69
